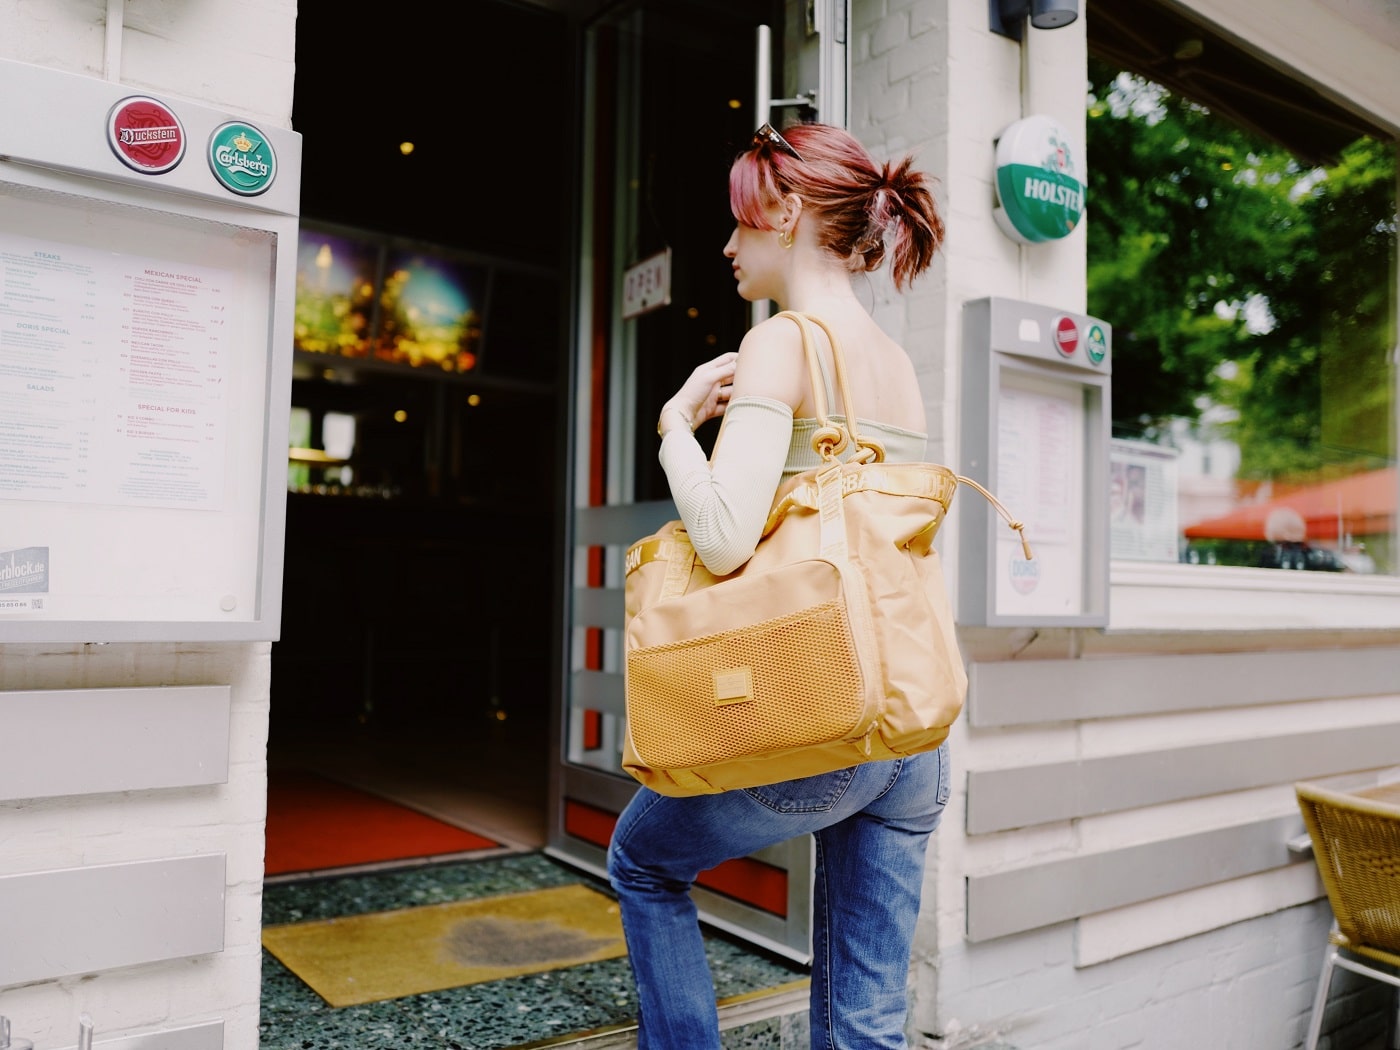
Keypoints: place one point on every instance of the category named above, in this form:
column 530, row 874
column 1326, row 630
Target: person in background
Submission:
column 813, row 211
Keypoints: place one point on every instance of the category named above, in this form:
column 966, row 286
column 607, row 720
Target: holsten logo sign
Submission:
column 1040, row 181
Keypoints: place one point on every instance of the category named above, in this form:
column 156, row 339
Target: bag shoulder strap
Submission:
column 828, row 383
column 830, row 439
column 869, row 450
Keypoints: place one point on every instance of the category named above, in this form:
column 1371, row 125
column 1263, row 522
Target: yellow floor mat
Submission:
column 388, row 955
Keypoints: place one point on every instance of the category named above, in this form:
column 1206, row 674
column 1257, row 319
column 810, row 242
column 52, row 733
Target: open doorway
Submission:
column 418, row 620
column 422, row 646
column 423, row 633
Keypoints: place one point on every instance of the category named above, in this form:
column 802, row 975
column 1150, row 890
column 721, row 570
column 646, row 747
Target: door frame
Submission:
column 764, row 898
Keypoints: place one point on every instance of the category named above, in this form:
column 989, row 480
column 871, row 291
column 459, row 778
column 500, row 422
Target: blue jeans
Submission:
column 871, row 825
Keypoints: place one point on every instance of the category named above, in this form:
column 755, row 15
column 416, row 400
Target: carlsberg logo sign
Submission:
column 1040, row 181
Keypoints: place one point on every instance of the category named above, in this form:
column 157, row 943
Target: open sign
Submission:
column 646, row 285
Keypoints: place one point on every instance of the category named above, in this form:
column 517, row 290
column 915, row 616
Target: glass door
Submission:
column 673, row 91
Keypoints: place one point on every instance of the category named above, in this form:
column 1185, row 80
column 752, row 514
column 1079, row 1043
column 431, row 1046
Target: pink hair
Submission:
column 856, row 202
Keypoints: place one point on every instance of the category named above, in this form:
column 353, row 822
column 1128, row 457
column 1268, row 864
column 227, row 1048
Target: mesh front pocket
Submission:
column 806, row 689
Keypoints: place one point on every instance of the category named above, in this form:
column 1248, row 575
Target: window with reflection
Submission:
column 337, row 276
column 1242, row 242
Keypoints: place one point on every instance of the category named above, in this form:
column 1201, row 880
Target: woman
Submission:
column 813, row 210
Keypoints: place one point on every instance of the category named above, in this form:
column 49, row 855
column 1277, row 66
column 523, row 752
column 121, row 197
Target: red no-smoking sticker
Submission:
column 1066, row 336
column 145, row 135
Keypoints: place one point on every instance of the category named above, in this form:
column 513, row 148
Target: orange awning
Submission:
column 1361, row 505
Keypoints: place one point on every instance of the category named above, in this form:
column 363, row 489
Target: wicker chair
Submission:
column 1356, row 843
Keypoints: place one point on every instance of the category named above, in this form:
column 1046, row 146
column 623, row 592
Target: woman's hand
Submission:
column 702, row 397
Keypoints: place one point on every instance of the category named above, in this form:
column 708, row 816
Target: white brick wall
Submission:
column 44, row 834
column 239, row 58
column 1248, row 985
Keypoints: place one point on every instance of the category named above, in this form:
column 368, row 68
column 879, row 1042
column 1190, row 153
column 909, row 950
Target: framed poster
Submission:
column 1142, row 501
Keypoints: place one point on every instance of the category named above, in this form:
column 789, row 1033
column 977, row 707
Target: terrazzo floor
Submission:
column 527, row 1011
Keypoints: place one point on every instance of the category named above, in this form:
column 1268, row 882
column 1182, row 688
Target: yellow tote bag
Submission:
column 833, row 645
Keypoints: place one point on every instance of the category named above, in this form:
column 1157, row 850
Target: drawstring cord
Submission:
column 1018, row 526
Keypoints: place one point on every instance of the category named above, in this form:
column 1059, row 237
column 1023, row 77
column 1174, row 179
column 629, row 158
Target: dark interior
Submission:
column 425, row 599
column 424, row 595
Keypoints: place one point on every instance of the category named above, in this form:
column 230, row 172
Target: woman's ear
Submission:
column 792, row 208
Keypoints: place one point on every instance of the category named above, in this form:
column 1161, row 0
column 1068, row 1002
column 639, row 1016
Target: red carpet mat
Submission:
column 315, row 823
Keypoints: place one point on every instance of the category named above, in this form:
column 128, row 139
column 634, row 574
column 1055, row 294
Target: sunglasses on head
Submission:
column 768, row 135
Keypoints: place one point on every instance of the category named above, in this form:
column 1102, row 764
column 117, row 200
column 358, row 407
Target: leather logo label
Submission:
column 733, row 686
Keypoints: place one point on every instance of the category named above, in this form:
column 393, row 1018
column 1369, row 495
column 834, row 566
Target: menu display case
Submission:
column 147, row 253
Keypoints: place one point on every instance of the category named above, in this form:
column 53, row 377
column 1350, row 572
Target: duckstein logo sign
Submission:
column 1040, row 181
column 146, row 135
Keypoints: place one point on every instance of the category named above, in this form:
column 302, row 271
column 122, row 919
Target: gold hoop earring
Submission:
column 785, row 238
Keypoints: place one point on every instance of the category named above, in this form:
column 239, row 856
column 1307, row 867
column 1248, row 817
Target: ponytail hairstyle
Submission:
column 861, row 208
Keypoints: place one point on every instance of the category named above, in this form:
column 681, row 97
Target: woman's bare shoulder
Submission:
column 775, row 334
column 771, row 362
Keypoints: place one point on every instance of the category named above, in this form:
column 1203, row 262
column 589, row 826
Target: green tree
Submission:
column 1235, row 276
column 1315, row 394
column 1178, row 205
column 1355, row 219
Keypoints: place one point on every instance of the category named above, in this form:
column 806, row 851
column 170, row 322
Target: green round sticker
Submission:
column 1040, row 187
column 241, row 158
column 1096, row 344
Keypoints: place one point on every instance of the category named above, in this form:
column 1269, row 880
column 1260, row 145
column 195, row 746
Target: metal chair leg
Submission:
column 1320, row 1000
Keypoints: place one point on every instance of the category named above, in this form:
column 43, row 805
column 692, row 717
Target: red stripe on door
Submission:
column 749, row 881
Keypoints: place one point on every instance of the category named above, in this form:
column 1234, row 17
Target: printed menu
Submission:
column 1037, row 459
column 1040, row 477
column 114, row 377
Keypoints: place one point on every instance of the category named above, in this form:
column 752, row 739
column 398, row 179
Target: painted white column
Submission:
column 199, row 833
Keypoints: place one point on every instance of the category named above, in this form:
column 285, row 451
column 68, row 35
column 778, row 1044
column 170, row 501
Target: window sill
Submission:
column 1148, row 596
